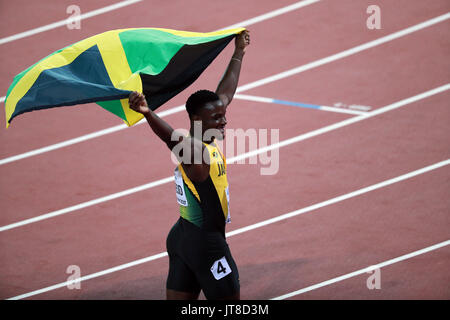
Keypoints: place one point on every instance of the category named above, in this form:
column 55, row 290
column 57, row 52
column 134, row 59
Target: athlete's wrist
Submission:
column 238, row 54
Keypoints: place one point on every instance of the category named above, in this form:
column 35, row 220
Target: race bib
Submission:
column 220, row 268
column 179, row 189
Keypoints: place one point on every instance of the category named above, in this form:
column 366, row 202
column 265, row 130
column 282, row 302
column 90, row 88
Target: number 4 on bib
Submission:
column 220, row 269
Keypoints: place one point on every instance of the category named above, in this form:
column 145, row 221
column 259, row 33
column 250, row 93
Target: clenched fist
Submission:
column 138, row 103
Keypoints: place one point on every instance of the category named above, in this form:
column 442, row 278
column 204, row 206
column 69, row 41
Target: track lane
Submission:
column 418, row 278
column 315, row 186
column 374, row 131
column 21, row 15
column 143, row 160
column 328, row 242
column 82, row 182
column 46, row 124
column 350, row 35
column 355, row 234
column 399, row 68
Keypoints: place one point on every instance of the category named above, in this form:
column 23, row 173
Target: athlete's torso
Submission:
column 205, row 204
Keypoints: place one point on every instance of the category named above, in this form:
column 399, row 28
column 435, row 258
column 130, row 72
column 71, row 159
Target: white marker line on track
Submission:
column 342, row 197
column 122, row 4
column 88, row 203
column 246, row 155
column 342, row 123
column 272, row 14
column 345, row 53
column 249, row 86
column 365, row 270
column 274, row 101
column 248, row 228
column 82, row 138
column 341, row 110
column 61, row 23
column 92, row 276
column 100, row 133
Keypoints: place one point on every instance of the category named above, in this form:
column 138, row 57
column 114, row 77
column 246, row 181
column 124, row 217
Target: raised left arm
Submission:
column 228, row 84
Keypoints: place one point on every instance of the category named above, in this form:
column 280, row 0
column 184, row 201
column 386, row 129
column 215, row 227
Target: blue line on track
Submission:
column 296, row 104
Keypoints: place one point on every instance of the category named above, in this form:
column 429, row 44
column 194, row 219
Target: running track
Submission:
column 335, row 154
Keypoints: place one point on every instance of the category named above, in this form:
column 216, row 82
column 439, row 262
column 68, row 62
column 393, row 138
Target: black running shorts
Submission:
column 200, row 260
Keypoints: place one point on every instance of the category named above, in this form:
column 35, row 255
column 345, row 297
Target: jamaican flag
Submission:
column 107, row 67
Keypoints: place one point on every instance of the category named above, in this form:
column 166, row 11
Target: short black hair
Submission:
column 198, row 99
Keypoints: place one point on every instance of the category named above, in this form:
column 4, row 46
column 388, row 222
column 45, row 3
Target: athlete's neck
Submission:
column 192, row 134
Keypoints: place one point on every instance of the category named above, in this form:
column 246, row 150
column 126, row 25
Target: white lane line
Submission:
column 365, row 270
column 122, row 4
column 345, row 53
column 245, row 229
column 249, row 86
column 87, row 204
column 82, row 138
column 272, row 14
column 277, row 101
column 231, row 160
column 341, row 110
column 342, row 123
column 100, row 133
column 64, row 22
column 91, row 276
column 342, row 197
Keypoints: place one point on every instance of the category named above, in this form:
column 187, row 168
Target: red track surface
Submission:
column 278, row 258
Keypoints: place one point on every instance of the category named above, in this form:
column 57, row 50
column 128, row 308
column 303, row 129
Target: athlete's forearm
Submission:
column 171, row 138
column 228, row 84
column 161, row 128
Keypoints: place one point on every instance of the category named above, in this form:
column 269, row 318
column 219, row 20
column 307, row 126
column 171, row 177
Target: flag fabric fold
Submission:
column 107, row 67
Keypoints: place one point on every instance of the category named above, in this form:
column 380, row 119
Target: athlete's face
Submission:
column 212, row 116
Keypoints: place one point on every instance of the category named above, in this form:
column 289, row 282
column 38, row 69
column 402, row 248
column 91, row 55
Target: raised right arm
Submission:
column 195, row 171
column 161, row 128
